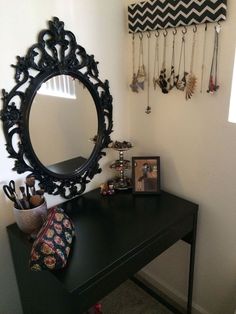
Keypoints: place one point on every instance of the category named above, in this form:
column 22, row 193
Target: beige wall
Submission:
column 197, row 147
column 93, row 24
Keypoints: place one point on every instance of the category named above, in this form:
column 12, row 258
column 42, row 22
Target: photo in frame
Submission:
column 146, row 175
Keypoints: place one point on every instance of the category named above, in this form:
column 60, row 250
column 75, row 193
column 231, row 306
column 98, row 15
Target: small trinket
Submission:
column 162, row 78
column 148, row 110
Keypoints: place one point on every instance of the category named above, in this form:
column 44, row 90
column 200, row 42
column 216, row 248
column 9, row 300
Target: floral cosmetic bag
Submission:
column 52, row 245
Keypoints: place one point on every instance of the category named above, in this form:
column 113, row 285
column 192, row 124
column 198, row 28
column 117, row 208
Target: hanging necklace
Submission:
column 141, row 75
column 203, row 57
column 162, row 79
column 171, row 79
column 181, row 83
column 134, row 83
column 192, row 79
column 213, row 86
column 148, row 108
column 156, row 73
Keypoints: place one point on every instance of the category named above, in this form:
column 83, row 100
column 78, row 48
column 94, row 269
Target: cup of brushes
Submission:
column 31, row 209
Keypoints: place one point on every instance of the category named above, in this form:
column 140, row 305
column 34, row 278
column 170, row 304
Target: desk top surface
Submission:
column 110, row 229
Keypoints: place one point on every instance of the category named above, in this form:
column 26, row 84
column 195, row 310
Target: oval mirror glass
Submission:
column 62, row 123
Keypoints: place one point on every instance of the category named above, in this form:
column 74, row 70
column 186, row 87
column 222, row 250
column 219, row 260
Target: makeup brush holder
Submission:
column 30, row 220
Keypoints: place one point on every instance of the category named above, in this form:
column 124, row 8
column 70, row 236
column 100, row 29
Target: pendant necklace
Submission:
column 148, row 108
column 171, row 79
column 156, row 73
column 162, row 79
column 192, row 79
column 181, row 83
column 212, row 85
column 141, row 75
column 203, row 58
column 134, row 83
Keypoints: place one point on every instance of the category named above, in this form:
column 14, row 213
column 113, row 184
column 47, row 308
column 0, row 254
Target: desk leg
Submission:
column 191, row 266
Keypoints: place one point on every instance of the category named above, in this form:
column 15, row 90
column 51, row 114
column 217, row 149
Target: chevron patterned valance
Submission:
column 158, row 14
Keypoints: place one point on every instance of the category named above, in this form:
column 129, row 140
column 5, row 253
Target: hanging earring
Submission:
column 192, row 79
column 141, row 75
column 148, row 108
column 171, row 79
column 181, row 83
column 213, row 85
column 156, row 73
column 162, row 79
column 203, row 57
column 134, row 83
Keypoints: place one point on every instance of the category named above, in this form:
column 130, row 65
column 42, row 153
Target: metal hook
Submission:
column 140, row 35
column 195, row 28
column 157, row 34
column 133, row 36
column 206, row 26
column 184, row 31
column 148, row 34
column 175, row 31
column 165, row 32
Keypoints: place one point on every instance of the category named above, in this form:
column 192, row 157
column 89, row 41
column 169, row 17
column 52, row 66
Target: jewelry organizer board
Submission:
column 154, row 15
column 160, row 14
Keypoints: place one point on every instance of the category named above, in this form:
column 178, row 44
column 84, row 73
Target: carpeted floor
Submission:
column 131, row 299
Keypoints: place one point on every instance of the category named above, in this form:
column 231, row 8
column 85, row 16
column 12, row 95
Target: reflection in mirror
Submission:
column 62, row 122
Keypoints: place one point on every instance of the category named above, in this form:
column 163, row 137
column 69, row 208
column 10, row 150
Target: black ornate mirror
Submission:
column 58, row 113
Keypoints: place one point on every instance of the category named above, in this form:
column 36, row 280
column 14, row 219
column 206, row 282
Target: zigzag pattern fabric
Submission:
column 158, row 14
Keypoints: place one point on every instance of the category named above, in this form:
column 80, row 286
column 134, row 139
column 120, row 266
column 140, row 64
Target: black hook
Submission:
column 148, row 34
column 206, row 26
column 133, row 36
column 195, row 28
column 175, row 31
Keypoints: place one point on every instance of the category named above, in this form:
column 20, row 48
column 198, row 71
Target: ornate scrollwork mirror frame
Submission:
column 56, row 52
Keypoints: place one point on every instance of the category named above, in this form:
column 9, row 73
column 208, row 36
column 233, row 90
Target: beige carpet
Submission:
column 131, row 299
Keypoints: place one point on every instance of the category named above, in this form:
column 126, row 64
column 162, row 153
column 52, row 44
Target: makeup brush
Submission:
column 30, row 182
column 36, row 200
column 24, row 197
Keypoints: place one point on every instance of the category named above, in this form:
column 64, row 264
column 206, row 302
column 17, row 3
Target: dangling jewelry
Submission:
column 192, row 79
column 181, row 83
column 156, row 73
column 213, row 85
column 203, row 57
column 162, row 78
column 141, row 75
column 148, row 108
column 171, row 79
column 134, row 83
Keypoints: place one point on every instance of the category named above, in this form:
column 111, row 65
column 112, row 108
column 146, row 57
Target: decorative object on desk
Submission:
column 146, row 175
column 121, row 165
column 31, row 220
column 52, row 245
column 107, row 188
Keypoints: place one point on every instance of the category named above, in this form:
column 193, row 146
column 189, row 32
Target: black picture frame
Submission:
column 146, row 175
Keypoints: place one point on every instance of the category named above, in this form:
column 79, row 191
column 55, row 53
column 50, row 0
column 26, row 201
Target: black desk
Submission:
column 116, row 236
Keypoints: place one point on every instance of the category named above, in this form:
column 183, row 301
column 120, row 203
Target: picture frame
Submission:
column 146, row 175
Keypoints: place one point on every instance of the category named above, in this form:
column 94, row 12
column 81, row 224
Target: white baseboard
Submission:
column 170, row 292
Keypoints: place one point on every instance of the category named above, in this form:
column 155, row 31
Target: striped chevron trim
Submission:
column 158, row 14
